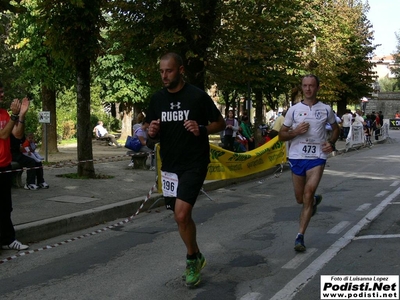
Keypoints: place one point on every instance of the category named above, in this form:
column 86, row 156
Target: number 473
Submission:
column 309, row 149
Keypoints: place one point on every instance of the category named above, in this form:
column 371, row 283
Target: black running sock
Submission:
column 191, row 257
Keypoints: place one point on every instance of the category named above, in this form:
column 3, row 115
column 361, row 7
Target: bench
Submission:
column 17, row 175
column 107, row 140
column 103, row 139
column 139, row 159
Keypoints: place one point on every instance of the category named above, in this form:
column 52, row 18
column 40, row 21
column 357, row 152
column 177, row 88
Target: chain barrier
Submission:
column 74, row 163
column 121, row 223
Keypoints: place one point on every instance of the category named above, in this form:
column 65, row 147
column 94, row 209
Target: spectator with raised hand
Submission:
column 9, row 124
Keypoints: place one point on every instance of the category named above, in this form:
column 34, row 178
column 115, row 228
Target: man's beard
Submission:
column 172, row 84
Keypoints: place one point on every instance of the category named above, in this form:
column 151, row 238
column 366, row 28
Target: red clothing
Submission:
column 25, row 144
column 5, row 152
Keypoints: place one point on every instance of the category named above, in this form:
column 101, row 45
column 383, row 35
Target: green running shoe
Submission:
column 203, row 263
column 192, row 272
column 318, row 199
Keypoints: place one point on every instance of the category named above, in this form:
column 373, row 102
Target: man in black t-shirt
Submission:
column 183, row 116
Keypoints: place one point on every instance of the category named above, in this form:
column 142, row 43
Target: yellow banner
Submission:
column 226, row 164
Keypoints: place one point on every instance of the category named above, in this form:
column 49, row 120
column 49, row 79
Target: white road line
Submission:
column 363, row 207
column 299, row 259
column 378, row 236
column 251, row 296
column 339, row 227
column 297, row 283
column 395, row 203
column 396, row 183
column 381, row 194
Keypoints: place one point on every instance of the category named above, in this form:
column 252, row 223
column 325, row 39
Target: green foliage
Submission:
column 32, row 123
column 72, row 28
column 268, row 44
column 389, row 85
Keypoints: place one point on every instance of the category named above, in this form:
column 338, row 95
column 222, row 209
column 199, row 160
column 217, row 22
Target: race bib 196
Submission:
column 169, row 183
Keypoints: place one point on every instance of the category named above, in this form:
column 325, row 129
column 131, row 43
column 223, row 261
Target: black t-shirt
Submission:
column 180, row 149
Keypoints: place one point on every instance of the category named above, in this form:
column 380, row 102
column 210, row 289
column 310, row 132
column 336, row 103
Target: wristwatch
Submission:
column 14, row 117
column 203, row 130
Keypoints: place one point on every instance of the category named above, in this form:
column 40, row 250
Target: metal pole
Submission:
column 45, row 138
column 248, row 101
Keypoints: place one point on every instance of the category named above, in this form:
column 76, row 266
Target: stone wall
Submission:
column 388, row 103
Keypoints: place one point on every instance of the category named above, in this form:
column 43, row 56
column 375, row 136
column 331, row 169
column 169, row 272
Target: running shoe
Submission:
column 16, row 245
column 31, row 187
column 318, row 199
column 203, row 263
column 193, row 268
column 44, row 185
column 299, row 243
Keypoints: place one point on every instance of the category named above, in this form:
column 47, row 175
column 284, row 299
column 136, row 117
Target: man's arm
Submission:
column 335, row 133
column 216, row 126
column 6, row 131
column 286, row 133
column 19, row 128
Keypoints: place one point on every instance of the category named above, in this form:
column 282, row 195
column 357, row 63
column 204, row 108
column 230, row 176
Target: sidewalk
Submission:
column 74, row 204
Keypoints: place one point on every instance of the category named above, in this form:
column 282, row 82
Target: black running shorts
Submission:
column 190, row 183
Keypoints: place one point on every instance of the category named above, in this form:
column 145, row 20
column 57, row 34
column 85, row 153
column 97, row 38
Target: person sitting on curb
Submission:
column 102, row 133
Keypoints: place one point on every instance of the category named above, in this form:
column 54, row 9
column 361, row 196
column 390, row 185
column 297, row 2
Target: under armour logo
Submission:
column 176, row 106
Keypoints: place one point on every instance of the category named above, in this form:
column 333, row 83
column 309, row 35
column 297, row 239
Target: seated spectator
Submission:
column 29, row 148
column 139, row 121
column 34, row 173
column 241, row 144
column 101, row 132
column 397, row 115
column 141, row 134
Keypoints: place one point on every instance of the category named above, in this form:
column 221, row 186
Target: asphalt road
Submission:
column 247, row 234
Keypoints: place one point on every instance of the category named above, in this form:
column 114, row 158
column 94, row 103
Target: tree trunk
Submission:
column 126, row 109
column 49, row 104
column 84, row 130
column 341, row 107
column 259, row 117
